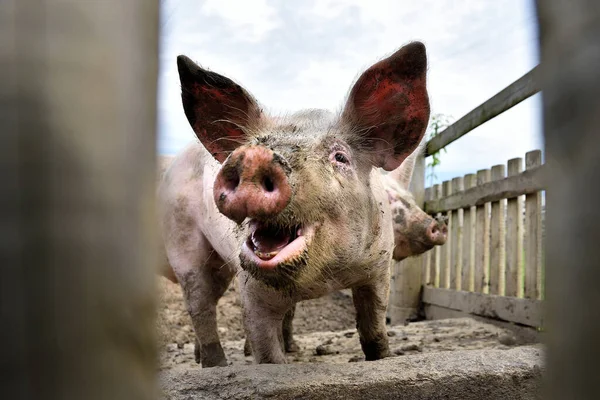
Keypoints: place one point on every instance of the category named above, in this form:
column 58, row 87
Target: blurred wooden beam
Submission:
column 570, row 61
column 77, row 116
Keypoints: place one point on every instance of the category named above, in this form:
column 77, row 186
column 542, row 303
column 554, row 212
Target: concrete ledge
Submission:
column 475, row 374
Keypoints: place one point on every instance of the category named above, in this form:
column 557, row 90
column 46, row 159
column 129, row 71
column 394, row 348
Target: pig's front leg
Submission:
column 289, row 344
column 370, row 302
column 263, row 318
column 204, row 277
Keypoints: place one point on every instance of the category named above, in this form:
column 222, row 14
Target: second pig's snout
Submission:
column 437, row 232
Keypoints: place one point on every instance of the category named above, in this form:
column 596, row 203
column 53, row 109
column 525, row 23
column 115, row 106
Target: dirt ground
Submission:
column 330, row 313
column 324, row 329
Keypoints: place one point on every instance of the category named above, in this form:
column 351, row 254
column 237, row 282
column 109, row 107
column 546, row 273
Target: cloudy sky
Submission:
column 305, row 54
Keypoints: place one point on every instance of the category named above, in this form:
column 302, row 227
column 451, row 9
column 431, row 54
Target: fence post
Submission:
column 77, row 238
column 497, row 238
column 436, row 266
column 409, row 273
column 533, row 237
column 468, row 251
column 446, row 249
column 570, row 55
column 514, row 237
column 482, row 238
column 456, row 236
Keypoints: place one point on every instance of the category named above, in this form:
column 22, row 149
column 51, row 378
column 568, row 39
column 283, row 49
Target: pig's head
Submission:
column 415, row 232
column 302, row 183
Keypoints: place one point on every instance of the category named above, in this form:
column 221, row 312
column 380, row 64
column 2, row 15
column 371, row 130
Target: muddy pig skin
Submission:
column 294, row 206
column 415, row 232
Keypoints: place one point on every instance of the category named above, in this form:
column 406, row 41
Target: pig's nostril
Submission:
column 232, row 181
column 437, row 233
column 268, row 184
column 444, row 229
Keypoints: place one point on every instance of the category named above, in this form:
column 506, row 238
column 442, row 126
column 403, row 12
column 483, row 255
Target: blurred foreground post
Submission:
column 77, row 238
column 570, row 49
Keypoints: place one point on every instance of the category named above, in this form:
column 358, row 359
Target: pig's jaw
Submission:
column 267, row 247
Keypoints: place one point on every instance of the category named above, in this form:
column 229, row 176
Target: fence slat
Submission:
column 482, row 238
column 456, row 248
column 533, row 233
column 437, row 254
column 468, row 240
column 514, row 237
column 446, row 250
column 427, row 257
column 497, row 255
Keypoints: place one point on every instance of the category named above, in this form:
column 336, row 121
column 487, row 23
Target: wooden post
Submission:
column 78, row 239
column 514, row 237
column 497, row 238
column 408, row 282
column 457, row 239
column 468, row 247
column 570, row 56
column 446, row 249
column 427, row 257
column 533, row 233
column 482, row 239
column 436, row 265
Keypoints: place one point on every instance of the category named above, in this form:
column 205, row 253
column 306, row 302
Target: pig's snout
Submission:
column 437, row 232
column 252, row 183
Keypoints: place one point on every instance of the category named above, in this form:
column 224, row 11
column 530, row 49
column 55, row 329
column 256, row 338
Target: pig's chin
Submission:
column 268, row 247
column 409, row 248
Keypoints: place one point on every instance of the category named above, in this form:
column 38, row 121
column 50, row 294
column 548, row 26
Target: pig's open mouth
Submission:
column 268, row 246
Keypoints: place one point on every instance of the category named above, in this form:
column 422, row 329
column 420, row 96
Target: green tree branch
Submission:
column 437, row 124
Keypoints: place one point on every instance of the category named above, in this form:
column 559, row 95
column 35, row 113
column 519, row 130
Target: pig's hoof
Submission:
column 211, row 363
column 376, row 349
column 292, row 347
column 197, row 353
column 222, row 363
column 247, row 348
column 212, row 355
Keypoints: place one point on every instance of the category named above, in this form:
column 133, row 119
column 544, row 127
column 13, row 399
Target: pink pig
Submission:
column 294, row 206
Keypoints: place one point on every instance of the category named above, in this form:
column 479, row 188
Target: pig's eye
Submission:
column 341, row 158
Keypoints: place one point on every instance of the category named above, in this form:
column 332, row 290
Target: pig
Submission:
column 415, row 232
column 294, row 206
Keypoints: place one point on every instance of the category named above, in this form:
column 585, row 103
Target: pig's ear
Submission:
column 389, row 106
column 219, row 110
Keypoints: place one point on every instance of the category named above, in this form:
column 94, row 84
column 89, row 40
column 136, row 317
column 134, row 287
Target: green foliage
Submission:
column 437, row 124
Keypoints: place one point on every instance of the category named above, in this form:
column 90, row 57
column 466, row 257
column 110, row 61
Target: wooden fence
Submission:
column 492, row 264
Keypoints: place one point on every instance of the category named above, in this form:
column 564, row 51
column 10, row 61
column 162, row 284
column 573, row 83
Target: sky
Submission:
column 306, row 54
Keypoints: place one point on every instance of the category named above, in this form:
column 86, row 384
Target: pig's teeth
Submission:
column 299, row 232
column 265, row 256
column 254, row 242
